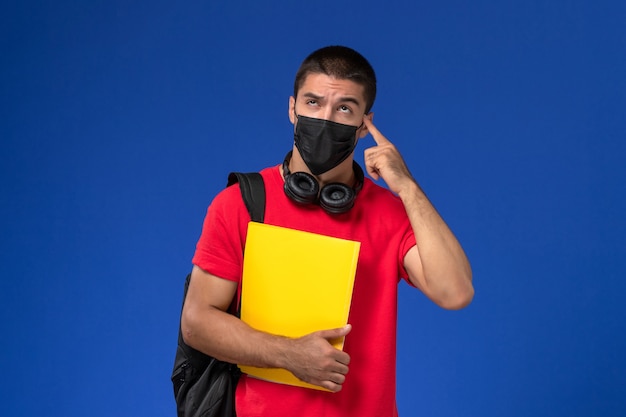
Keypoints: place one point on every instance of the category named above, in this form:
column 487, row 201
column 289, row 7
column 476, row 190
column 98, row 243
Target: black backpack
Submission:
column 203, row 385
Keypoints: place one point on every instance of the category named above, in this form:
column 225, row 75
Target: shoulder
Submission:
column 271, row 175
column 229, row 198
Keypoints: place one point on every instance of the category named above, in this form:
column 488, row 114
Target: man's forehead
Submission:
column 316, row 85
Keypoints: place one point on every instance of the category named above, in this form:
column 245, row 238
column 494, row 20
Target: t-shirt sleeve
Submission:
column 219, row 250
column 406, row 243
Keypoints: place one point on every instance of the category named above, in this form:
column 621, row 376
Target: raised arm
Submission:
column 437, row 265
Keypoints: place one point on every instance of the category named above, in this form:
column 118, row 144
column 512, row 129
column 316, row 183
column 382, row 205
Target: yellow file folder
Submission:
column 295, row 283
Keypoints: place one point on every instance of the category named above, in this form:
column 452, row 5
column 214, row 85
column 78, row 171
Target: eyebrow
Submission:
column 345, row 99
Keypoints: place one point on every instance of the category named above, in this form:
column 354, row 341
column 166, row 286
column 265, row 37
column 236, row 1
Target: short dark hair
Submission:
column 342, row 63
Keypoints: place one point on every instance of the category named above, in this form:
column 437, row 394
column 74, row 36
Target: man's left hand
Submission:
column 384, row 160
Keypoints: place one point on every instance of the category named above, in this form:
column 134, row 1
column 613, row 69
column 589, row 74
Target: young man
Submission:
column 401, row 235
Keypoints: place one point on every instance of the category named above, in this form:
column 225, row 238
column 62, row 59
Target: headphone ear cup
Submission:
column 337, row 198
column 301, row 187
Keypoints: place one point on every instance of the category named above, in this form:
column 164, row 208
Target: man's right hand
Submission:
column 311, row 358
column 314, row 359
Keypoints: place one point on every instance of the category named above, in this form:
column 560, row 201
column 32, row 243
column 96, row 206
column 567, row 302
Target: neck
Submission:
column 343, row 173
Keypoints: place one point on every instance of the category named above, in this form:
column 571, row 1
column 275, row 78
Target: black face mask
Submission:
column 323, row 144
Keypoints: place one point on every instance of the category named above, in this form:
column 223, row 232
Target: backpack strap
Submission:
column 252, row 192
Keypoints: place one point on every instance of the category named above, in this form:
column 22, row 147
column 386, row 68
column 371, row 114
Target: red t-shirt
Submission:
column 377, row 220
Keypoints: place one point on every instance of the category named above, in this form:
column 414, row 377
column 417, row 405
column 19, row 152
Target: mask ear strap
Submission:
column 359, row 128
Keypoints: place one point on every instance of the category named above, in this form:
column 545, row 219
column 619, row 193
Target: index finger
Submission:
column 378, row 137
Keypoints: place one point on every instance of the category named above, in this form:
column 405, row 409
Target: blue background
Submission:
column 121, row 120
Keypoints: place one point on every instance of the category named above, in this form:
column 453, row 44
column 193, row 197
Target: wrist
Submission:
column 280, row 352
column 409, row 190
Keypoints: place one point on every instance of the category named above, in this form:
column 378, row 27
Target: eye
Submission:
column 344, row 109
column 311, row 102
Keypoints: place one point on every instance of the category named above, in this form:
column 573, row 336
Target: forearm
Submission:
column 443, row 271
column 312, row 357
column 227, row 338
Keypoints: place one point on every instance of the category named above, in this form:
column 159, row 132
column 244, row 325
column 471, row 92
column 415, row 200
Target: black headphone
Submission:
column 335, row 198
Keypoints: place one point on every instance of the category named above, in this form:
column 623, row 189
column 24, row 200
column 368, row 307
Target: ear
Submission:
column 363, row 131
column 292, row 107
